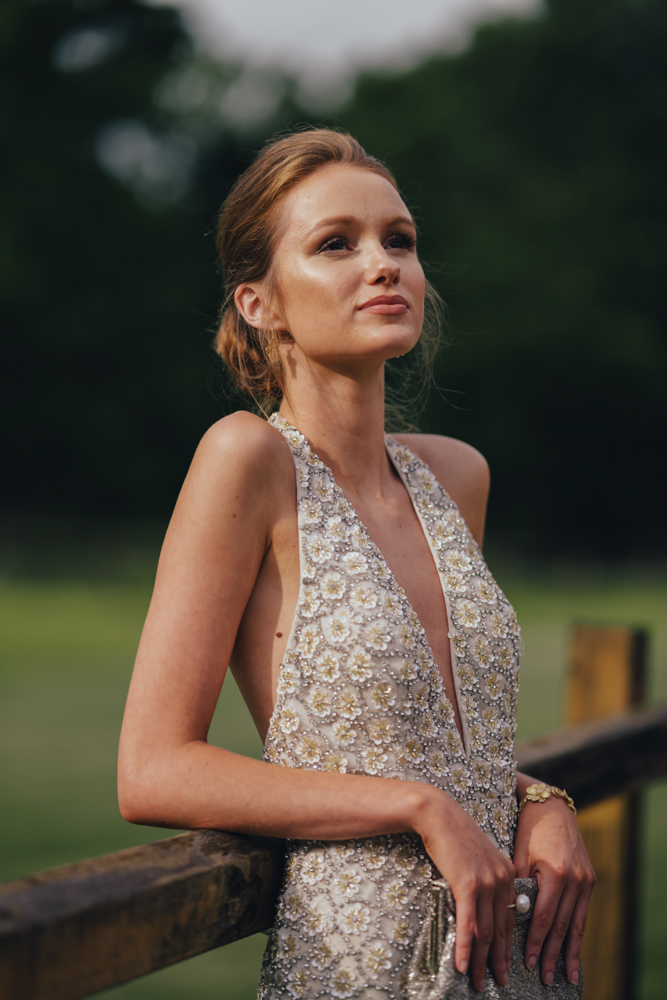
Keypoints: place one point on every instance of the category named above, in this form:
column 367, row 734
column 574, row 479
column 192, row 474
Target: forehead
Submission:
column 341, row 190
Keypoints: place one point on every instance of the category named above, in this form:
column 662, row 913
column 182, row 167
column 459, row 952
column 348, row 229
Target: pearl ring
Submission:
column 522, row 904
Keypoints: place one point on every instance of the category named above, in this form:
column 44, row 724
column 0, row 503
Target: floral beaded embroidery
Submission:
column 359, row 692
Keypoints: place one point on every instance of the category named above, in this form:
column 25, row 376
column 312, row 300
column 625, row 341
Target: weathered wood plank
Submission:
column 596, row 760
column 72, row 931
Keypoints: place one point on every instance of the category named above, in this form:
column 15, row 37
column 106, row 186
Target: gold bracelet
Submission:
column 541, row 792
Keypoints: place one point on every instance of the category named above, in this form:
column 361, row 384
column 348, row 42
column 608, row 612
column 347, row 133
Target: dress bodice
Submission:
column 359, row 692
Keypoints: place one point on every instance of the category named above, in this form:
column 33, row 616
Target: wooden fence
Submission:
column 72, row 931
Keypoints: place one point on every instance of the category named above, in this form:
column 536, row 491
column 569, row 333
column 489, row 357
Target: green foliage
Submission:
column 536, row 161
column 109, row 291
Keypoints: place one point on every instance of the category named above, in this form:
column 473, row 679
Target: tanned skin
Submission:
column 347, row 294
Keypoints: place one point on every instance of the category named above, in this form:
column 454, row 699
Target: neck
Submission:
column 342, row 416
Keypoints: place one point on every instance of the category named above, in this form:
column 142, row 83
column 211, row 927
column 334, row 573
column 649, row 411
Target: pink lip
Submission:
column 386, row 305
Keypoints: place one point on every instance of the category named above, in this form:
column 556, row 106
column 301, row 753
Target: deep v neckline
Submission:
column 391, row 577
column 453, row 658
column 358, row 693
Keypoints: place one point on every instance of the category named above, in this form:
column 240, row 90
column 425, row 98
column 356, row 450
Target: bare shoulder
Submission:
column 241, row 460
column 243, row 448
column 461, row 469
column 244, row 438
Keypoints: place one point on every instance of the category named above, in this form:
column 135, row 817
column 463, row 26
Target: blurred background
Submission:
column 530, row 140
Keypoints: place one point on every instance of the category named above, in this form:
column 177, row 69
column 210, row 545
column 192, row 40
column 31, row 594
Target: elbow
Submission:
column 140, row 779
column 155, row 786
column 138, row 795
column 130, row 810
column 131, row 815
column 132, row 801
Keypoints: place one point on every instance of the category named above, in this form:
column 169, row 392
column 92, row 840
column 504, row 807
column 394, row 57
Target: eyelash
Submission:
column 408, row 242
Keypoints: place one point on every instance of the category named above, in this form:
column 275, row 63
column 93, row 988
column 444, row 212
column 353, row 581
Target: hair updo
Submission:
column 246, row 236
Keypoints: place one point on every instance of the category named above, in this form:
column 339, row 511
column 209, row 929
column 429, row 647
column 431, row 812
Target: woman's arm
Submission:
column 548, row 845
column 224, row 525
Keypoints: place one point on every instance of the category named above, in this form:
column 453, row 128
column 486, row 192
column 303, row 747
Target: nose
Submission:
column 382, row 268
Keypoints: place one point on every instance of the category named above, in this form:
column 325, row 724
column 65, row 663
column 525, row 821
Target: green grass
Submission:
column 66, row 650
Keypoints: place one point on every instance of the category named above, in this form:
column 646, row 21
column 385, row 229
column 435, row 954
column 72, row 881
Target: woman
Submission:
column 375, row 652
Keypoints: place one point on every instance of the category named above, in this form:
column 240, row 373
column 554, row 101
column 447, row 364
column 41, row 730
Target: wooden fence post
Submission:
column 607, row 675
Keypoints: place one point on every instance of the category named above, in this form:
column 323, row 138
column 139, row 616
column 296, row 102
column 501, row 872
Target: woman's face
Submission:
column 350, row 288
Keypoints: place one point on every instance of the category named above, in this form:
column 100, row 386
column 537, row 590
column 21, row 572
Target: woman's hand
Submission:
column 482, row 881
column 548, row 845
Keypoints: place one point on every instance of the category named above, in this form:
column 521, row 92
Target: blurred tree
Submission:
column 108, row 280
column 537, row 160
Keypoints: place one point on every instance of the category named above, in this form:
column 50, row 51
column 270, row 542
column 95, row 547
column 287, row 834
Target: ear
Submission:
column 251, row 302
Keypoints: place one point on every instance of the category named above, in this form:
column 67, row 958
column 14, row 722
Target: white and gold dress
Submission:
column 359, row 693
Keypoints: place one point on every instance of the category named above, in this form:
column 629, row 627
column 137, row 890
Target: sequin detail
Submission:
column 359, row 693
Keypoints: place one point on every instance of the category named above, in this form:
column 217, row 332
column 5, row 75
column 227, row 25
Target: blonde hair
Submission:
column 246, row 236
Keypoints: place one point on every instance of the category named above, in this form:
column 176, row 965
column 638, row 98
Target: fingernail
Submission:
column 548, row 978
column 531, row 961
column 504, row 979
column 481, row 986
column 463, row 968
column 574, row 977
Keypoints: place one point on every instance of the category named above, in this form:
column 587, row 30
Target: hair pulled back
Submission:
column 246, row 237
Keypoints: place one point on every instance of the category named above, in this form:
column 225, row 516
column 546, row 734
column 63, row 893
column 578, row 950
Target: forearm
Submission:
column 201, row 786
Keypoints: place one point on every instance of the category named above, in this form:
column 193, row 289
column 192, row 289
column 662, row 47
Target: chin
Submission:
column 372, row 346
column 393, row 343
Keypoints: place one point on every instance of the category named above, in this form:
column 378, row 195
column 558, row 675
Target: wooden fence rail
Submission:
column 72, row 931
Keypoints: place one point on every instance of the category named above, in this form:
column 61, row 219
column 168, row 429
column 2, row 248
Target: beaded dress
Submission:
column 359, row 693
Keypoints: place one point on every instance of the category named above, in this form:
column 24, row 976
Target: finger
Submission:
column 576, row 932
column 546, row 906
column 498, row 949
column 554, row 939
column 511, row 920
column 510, row 914
column 482, row 940
column 465, row 930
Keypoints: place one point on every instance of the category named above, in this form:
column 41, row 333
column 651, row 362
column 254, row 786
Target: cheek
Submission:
column 326, row 292
column 414, row 282
column 414, row 278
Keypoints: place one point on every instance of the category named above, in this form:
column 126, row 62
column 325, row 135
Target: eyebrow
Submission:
column 346, row 220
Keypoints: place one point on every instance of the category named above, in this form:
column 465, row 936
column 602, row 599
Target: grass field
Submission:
column 66, row 650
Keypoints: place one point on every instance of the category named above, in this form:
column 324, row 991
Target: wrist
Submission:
column 427, row 807
column 540, row 793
